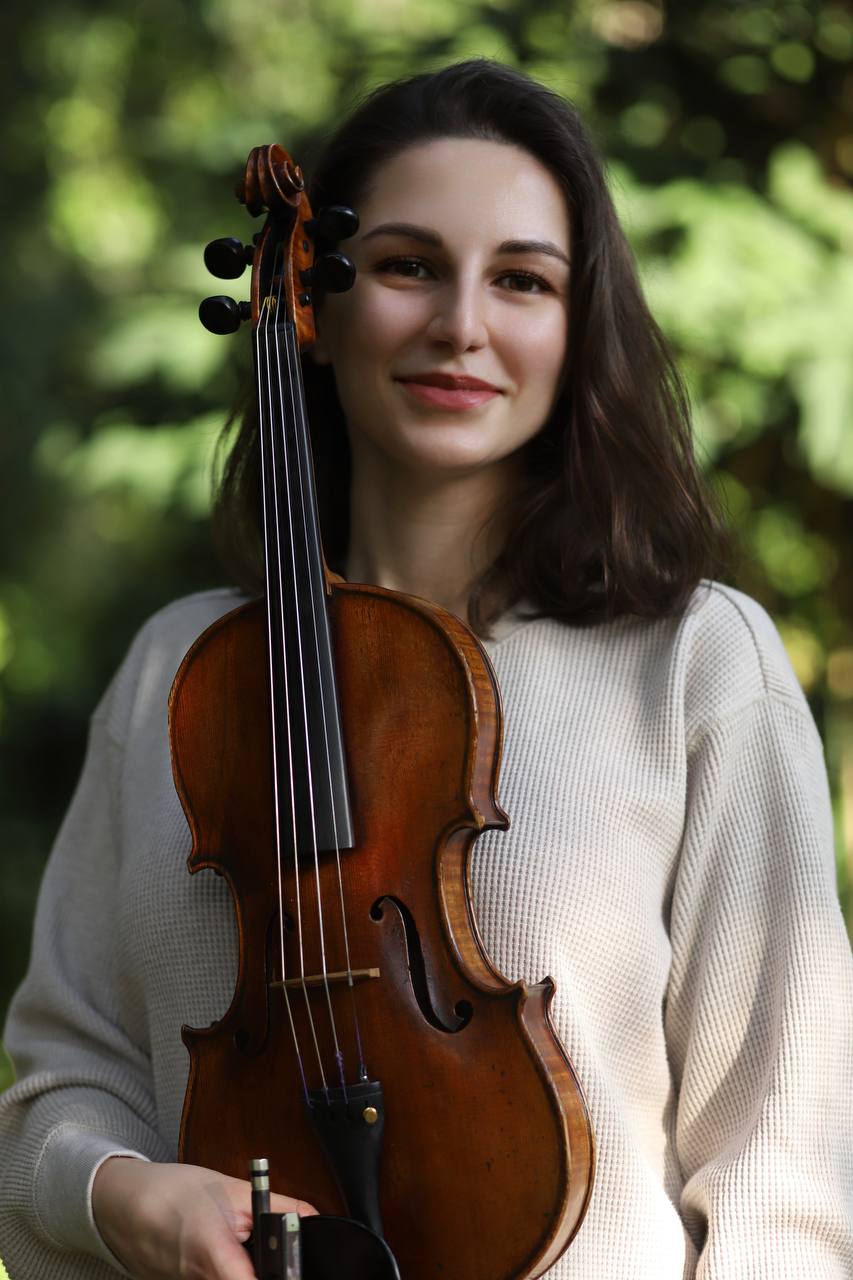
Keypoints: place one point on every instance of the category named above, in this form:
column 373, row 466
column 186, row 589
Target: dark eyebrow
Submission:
column 413, row 232
column 407, row 229
column 534, row 246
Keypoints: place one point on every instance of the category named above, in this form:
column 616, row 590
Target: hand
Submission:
column 164, row 1221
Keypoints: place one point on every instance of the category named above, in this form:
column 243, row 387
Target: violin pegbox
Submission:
column 293, row 257
column 227, row 258
column 332, row 272
column 333, row 223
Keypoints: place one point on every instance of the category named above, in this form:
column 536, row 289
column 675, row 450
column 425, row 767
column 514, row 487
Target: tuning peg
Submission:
column 333, row 273
column 223, row 315
column 227, row 258
column 333, row 223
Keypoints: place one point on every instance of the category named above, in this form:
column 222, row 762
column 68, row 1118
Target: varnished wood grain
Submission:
column 488, row 1156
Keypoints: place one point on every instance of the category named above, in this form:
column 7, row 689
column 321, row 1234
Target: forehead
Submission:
column 464, row 186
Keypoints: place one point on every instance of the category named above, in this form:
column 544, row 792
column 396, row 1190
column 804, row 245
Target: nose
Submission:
column 459, row 320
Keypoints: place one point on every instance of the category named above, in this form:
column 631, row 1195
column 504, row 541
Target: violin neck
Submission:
column 308, row 752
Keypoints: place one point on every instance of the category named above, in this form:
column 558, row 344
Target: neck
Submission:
column 429, row 536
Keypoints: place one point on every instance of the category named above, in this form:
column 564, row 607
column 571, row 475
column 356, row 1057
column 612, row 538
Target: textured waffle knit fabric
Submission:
column 669, row 863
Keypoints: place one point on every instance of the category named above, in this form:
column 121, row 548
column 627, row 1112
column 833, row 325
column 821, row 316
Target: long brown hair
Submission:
column 612, row 516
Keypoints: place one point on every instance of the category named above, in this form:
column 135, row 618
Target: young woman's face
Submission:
column 449, row 350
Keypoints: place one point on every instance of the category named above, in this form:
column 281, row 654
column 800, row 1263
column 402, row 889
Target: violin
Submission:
column 336, row 748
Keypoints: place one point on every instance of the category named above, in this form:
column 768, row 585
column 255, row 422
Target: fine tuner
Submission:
column 332, row 272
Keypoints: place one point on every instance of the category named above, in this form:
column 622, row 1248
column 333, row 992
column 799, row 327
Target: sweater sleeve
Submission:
column 759, row 1011
column 84, row 1088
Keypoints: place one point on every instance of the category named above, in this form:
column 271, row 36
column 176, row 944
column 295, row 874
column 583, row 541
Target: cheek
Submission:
column 539, row 350
column 371, row 324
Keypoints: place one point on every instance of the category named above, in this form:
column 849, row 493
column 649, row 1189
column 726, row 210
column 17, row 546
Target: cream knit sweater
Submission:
column 669, row 863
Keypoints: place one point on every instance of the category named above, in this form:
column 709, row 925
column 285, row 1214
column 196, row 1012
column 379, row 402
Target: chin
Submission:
column 443, row 446
column 444, row 465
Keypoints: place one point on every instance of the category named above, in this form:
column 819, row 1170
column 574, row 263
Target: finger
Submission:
column 286, row 1204
column 224, row 1258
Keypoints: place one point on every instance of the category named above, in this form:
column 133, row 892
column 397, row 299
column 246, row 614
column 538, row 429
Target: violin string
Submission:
column 320, row 917
column 264, row 427
column 289, row 491
column 269, row 327
column 295, row 381
column 287, row 701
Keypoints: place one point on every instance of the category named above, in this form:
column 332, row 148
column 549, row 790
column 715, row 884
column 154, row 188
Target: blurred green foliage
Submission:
column 727, row 127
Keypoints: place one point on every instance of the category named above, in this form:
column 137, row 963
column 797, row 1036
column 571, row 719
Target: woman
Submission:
column 519, row 453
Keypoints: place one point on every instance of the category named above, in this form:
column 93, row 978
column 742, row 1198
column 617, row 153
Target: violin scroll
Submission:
column 273, row 181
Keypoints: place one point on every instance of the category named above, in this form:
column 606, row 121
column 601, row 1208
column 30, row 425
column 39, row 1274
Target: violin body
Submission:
column 487, row 1158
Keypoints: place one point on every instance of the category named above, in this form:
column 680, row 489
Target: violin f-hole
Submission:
column 450, row 1021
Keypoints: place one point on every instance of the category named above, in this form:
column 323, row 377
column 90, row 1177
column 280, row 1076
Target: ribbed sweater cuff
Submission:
column 63, row 1184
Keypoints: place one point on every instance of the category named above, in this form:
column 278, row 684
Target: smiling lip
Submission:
column 449, row 391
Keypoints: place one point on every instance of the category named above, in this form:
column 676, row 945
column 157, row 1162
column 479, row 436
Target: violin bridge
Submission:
column 320, row 979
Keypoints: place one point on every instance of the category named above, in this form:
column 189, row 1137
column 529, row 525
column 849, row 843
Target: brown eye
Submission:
column 410, row 268
column 525, row 282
